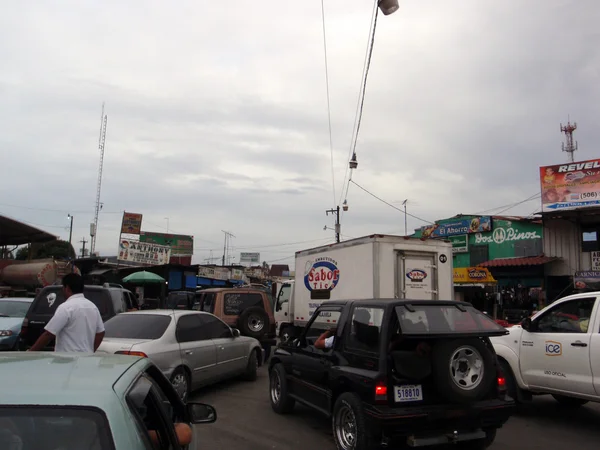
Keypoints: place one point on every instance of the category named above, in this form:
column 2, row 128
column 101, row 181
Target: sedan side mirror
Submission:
column 201, row 413
column 235, row 332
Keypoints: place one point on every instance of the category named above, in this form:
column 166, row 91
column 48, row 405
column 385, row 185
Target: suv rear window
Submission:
column 234, row 304
column 48, row 300
column 137, row 326
column 445, row 319
column 178, row 300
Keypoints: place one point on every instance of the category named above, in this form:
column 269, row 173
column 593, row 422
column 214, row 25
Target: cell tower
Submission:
column 569, row 147
column 101, row 141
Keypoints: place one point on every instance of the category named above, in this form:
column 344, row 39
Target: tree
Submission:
column 265, row 265
column 55, row 249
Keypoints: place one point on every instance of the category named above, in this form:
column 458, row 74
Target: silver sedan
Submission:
column 192, row 348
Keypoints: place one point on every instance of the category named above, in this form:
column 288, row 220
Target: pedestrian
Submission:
column 76, row 325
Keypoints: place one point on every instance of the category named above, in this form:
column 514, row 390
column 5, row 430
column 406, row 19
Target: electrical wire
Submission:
column 328, row 99
column 510, row 205
column 519, row 203
column 65, row 211
column 389, row 204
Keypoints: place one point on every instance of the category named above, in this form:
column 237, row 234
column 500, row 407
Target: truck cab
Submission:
column 557, row 352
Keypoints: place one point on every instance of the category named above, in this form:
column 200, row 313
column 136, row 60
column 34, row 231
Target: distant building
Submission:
column 280, row 270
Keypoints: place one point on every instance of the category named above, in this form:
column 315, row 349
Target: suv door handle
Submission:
column 189, row 352
column 578, row 344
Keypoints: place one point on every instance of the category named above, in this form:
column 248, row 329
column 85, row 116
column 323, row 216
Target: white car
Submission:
column 557, row 352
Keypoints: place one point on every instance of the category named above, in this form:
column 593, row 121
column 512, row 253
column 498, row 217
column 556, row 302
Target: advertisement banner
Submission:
column 214, row 273
column 587, row 280
column 250, row 258
column 143, row 253
column 460, row 244
column 181, row 244
column 237, row 274
column 595, row 261
column 132, row 223
column 472, row 275
column 457, row 227
column 570, row 186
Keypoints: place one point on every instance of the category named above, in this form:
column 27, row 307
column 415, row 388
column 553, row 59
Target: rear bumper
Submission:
column 394, row 422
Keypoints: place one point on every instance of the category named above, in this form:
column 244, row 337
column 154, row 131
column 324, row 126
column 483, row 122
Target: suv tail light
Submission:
column 142, row 354
column 381, row 391
column 501, row 383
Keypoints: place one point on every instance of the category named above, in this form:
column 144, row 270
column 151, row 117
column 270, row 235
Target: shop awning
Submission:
column 515, row 262
column 13, row 232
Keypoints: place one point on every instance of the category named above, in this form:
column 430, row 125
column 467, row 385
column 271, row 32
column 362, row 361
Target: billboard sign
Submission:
column 460, row 243
column 253, row 258
column 457, row 227
column 132, row 223
column 570, row 186
column 472, row 275
column 143, row 253
column 180, row 244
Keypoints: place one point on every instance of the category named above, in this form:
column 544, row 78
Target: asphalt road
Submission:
column 247, row 422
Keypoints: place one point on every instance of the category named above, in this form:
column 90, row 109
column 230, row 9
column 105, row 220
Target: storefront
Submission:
column 475, row 285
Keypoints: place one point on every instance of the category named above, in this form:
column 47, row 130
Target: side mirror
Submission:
column 526, row 324
column 235, row 332
column 201, row 413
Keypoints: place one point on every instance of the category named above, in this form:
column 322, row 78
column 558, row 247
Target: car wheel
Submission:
column 464, row 369
column 569, row 402
column 181, row 383
column 252, row 367
column 281, row 402
column 254, row 322
column 350, row 430
column 480, row 444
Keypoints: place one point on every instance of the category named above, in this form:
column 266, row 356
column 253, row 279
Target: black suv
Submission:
column 110, row 300
column 414, row 373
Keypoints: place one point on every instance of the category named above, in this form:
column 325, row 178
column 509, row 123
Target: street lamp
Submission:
column 70, row 217
column 388, row 7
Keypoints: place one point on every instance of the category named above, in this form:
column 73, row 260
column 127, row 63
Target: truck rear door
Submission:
column 416, row 276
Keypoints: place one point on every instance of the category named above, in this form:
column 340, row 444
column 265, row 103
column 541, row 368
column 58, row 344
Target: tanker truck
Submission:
column 27, row 277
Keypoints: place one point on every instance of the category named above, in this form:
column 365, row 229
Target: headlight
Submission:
column 5, row 333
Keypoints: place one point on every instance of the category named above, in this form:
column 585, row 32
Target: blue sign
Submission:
column 460, row 226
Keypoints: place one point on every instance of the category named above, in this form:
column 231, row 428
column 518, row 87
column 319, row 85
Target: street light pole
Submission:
column 70, row 217
column 405, row 218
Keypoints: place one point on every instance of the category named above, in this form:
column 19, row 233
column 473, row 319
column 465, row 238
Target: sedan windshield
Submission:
column 55, row 427
column 13, row 308
column 137, row 326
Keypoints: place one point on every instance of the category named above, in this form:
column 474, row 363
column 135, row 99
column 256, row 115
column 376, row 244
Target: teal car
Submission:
column 91, row 402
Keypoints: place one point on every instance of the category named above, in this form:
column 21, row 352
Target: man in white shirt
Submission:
column 76, row 325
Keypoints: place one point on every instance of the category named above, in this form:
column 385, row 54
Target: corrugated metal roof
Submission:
column 512, row 262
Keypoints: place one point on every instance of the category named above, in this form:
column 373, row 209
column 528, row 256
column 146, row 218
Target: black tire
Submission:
column 480, row 444
column 252, row 368
column 512, row 388
column 254, row 322
column 181, row 383
column 348, row 409
column 281, row 403
column 569, row 402
column 456, row 376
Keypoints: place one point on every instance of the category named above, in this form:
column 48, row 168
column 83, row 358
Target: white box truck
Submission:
column 376, row 266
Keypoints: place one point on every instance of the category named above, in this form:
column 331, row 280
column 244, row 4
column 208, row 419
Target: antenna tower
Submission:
column 101, row 141
column 569, row 147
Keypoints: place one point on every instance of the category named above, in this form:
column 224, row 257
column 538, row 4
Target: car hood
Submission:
column 11, row 323
column 113, row 345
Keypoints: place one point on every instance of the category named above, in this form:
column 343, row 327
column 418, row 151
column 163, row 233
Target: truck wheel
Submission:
column 569, row 402
column 254, row 322
column 350, row 430
column 281, row 402
column 480, row 444
column 463, row 369
column 511, row 384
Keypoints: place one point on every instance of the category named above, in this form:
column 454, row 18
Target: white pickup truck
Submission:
column 557, row 352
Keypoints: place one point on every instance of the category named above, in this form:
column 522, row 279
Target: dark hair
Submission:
column 73, row 282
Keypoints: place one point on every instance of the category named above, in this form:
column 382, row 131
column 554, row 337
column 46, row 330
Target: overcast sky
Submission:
column 217, row 113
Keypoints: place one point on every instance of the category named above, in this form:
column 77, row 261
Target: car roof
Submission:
column 16, row 299
column 163, row 312
column 393, row 302
column 49, row 378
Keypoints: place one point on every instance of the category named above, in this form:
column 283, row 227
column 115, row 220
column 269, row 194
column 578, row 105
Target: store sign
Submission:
column 501, row 235
column 132, row 223
column 457, row 227
column 249, row 257
column 143, row 253
column 473, row 275
column 595, row 261
column 460, row 244
column 589, row 279
column 180, row 244
column 237, row 274
column 214, row 273
column 570, row 186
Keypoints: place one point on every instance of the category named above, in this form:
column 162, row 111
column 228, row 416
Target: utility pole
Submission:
column 226, row 246
column 405, row 218
column 83, row 242
column 336, row 211
column 569, row 147
column 70, row 217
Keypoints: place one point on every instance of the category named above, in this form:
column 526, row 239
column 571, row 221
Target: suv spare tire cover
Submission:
column 249, row 322
column 463, row 369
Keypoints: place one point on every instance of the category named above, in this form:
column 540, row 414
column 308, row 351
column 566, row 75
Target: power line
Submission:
column 519, row 203
column 389, row 204
column 58, row 210
column 510, row 205
column 260, row 247
column 328, row 98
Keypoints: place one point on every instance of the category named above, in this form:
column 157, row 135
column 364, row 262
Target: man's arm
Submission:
column 42, row 341
column 98, row 340
column 55, row 325
column 323, row 342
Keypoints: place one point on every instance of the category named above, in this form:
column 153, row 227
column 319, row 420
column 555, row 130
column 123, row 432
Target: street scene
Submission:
column 324, row 224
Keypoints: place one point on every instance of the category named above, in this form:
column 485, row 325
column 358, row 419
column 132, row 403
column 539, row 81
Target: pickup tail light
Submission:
column 381, row 390
column 141, row 354
column 501, row 383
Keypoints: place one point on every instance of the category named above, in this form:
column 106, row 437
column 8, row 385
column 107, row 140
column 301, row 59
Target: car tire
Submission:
column 281, row 402
column 569, row 402
column 251, row 373
column 512, row 388
column 463, row 369
column 349, row 424
column 181, row 383
column 480, row 444
column 254, row 322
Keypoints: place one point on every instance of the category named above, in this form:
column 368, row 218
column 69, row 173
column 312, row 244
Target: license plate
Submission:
column 408, row 393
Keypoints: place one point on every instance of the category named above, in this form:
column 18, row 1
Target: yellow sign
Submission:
column 473, row 275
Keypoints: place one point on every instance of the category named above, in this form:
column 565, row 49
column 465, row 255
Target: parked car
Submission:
column 12, row 313
column 192, row 348
column 72, row 402
column 414, row 373
column 109, row 299
column 248, row 309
